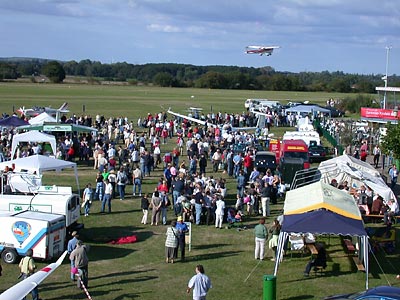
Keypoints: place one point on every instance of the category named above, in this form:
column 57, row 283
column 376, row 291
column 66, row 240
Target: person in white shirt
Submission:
column 219, row 213
column 393, row 209
column 200, row 283
column 107, row 196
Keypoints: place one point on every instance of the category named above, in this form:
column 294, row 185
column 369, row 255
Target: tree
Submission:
column 54, row 71
column 163, row 79
column 391, row 142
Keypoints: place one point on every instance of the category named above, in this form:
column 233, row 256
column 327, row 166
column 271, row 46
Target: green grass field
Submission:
column 139, row 271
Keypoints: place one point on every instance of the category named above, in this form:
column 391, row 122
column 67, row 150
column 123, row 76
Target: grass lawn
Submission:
column 139, row 271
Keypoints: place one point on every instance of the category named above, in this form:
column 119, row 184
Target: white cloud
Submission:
column 163, row 28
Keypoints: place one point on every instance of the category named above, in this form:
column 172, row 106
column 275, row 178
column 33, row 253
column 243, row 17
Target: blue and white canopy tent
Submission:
column 320, row 208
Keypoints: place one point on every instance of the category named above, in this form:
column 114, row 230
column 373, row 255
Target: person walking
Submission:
column 377, row 155
column 81, row 262
column 87, row 198
column 393, row 173
column 71, row 247
column 27, row 267
column 200, row 283
column 144, row 205
column 261, row 234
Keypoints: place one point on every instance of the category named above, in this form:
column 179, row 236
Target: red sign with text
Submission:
column 378, row 113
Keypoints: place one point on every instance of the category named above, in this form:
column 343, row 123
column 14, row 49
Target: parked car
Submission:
column 378, row 293
column 317, row 153
column 265, row 160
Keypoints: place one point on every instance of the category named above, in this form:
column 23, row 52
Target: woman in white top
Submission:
column 219, row 212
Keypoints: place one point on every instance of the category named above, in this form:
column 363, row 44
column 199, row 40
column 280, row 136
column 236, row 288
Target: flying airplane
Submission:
column 23, row 288
column 37, row 110
column 261, row 50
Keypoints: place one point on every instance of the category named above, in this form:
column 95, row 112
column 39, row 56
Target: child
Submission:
column 87, row 198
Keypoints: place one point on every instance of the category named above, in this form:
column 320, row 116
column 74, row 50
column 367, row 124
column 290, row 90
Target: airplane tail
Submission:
column 261, row 121
column 21, row 110
column 64, row 106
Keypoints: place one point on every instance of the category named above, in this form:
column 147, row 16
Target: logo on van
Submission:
column 21, row 231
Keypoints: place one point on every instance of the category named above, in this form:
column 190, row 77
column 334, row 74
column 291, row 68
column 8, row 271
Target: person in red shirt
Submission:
column 248, row 164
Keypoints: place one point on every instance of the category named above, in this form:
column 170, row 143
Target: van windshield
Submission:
column 302, row 155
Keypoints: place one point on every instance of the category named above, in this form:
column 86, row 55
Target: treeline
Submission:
column 184, row 75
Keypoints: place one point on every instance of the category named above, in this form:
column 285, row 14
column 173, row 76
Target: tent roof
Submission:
column 308, row 109
column 38, row 163
column 355, row 172
column 43, row 117
column 323, row 222
column 318, row 196
column 61, row 127
column 12, row 121
column 33, row 136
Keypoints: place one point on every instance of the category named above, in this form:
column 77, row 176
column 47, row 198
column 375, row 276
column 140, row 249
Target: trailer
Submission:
column 50, row 199
column 44, row 233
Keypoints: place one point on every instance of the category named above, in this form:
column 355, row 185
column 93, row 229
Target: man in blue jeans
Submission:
column 107, row 196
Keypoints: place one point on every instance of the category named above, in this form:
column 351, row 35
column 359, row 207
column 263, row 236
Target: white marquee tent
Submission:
column 40, row 163
column 356, row 173
column 32, row 137
column 42, row 118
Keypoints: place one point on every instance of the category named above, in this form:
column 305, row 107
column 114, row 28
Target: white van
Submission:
column 44, row 233
column 50, row 199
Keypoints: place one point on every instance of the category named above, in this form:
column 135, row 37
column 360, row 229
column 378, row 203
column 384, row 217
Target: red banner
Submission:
column 378, row 113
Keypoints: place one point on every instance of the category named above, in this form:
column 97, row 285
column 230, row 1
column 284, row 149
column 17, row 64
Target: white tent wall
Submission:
column 33, row 137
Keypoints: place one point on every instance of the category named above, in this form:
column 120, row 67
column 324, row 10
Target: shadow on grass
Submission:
column 208, row 246
column 113, row 233
column 215, row 255
column 103, row 252
column 299, row 297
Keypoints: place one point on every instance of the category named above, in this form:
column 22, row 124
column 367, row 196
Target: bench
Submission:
column 349, row 246
column 312, row 249
column 374, row 216
column 359, row 264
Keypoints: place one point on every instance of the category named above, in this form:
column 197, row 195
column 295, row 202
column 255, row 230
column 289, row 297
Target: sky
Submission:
column 350, row 36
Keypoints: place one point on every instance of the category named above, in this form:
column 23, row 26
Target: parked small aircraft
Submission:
column 261, row 50
column 23, row 288
column 225, row 128
column 37, row 110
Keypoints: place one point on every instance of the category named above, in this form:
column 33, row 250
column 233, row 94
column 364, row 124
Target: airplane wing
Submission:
column 23, row 288
column 190, row 119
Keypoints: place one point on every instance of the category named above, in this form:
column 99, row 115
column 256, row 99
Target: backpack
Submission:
column 167, row 158
column 123, row 178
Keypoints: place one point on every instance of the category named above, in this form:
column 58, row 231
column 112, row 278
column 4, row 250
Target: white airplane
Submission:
column 225, row 128
column 37, row 110
column 261, row 50
column 23, row 288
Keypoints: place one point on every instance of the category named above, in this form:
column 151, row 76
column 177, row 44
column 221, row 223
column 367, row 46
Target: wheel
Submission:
column 9, row 256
